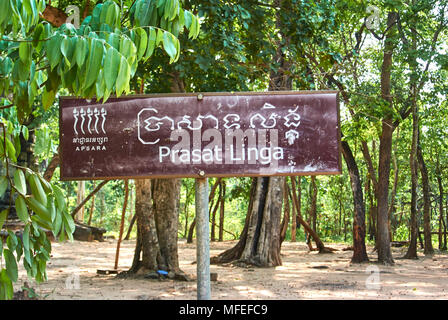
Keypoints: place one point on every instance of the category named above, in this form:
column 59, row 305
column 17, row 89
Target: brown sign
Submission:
column 193, row 135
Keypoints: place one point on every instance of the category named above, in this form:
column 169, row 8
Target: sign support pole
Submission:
column 203, row 240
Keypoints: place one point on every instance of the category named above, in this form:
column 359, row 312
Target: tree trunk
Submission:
column 157, row 221
column 313, row 207
column 412, row 249
column 286, row 216
column 394, row 191
column 221, row 211
column 92, row 206
column 309, row 216
column 294, row 225
column 383, row 236
column 429, row 250
column 213, row 215
column 372, row 209
column 442, row 243
column 131, row 225
column 338, row 223
column 54, row 163
column 187, row 202
column 146, row 252
column 80, row 197
column 359, row 226
column 260, row 240
column 259, row 243
column 102, row 205
column 445, row 222
column 191, row 231
column 166, row 209
column 383, row 240
column 234, row 253
column 27, row 158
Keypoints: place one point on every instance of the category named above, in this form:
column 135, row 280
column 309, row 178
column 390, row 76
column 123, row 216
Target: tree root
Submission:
column 327, row 250
column 145, row 273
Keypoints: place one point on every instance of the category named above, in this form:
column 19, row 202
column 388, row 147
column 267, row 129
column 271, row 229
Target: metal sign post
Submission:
column 203, row 240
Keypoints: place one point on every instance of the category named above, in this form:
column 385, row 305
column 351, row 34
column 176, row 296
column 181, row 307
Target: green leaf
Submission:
column 25, row 52
column 57, row 223
column 6, row 288
column 62, row 235
column 41, row 222
column 197, row 27
column 103, row 12
column 51, row 207
column 43, row 141
column 94, row 62
column 143, row 13
column 67, row 50
column 142, row 42
column 69, row 225
column 26, row 243
column 48, row 188
column 3, row 216
column 19, row 181
column 3, row 185
column 25, row 133
column 81, row 51
column 37, row 190
column 192, row 24
column 32, row 10
column 38, row 32
column 159, row 39
column 100, row 85
column 53, row 51
column 60, row 199
column 114, row 40
column 112, row 15
column 4, row 11
column 128, row 49
column 169, row 44
column 21, row 209
column 11, row 241
column 20, row 71
column 188, row 18
column 41, row 211
column 11, row 150
column 111, row 67
column 123, row 78
column 48, row 98
column 152, row 36
column 174, row 10
column 11, row 265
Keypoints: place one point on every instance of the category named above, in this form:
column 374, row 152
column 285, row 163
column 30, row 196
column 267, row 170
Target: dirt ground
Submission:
column 303, row 275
